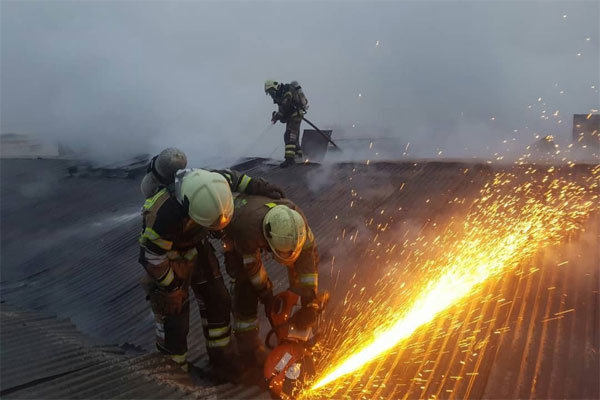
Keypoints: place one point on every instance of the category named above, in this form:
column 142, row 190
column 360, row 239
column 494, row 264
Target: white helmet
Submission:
column 167, row 163
column 271, row 85
column 206, row 195
column 285, row 231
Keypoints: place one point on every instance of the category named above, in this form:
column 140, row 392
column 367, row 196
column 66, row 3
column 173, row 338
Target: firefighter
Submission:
column 161, row 170
column 262, row 225
column 292, row 106
column 176, row 254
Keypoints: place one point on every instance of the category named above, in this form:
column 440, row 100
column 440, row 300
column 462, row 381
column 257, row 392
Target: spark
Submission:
column 513, row 217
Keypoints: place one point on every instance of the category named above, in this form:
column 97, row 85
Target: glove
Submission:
column 168, row 302
column 265, row 296
column 259, row 186
column 269, row 302
column 182, row 270
column 274, row 117
column 306, row 316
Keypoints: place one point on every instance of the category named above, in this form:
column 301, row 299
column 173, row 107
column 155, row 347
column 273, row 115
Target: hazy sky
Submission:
column 137, row 76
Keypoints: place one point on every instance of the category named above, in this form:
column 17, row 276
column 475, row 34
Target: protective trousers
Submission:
column 245, row 312
column 214, row 304
column 291, row 137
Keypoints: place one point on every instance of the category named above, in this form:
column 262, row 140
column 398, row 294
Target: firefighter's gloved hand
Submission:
column 168, row 302
column 265, row 296
column 259, row 186
column 270, row 303
column 182, row 269
column 306, row 316
column 275, row 117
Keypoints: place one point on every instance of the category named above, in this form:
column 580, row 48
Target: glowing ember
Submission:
column 514, row 216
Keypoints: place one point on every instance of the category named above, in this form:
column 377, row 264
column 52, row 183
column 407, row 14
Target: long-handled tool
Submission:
column 322, row 134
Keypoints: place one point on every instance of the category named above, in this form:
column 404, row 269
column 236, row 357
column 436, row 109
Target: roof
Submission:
column 69, row 268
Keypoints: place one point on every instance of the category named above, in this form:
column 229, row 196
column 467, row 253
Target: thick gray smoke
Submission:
column 452, row 76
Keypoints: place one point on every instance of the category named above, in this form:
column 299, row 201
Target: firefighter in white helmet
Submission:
column 262, row 225
column 292, row 105
column 176, row 254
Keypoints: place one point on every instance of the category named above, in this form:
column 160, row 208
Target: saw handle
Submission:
column 268, row 340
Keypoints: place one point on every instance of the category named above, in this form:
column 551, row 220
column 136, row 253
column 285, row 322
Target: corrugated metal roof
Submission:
column 80, row 263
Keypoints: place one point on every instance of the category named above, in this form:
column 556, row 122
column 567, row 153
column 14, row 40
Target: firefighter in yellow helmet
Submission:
column 262, row 225
column 292, row 105
column 178, row 214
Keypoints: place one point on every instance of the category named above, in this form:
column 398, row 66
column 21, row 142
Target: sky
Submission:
column 460, row 77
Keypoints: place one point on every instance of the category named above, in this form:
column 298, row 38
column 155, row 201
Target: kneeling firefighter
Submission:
column 183, row 206
column 260, row 225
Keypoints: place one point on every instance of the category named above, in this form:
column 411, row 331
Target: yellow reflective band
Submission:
column 228, row 177
column 244, row 183
column 308, row 279
column 216, row 332
column 179, row 358
column 219, row 342
column 290, row 153
column 290, row 146
column 154, row 237
column 190, row 254
column 270, row 205
column 163, row 244
column 151, row 234
column 150, row 202
column 245, row 325
column 166, row 281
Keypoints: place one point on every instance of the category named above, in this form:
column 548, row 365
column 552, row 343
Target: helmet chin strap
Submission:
column 159, row 177
column 177, row 184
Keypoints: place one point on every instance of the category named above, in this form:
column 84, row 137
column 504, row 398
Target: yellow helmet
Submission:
column 271, row 85
column 285, row 231
column 206, row 195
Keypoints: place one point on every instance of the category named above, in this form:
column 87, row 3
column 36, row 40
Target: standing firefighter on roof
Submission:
column 182, row 206
column 292, row 106
column 261, row 225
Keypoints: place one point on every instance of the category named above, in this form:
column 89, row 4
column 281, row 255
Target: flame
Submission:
column 515, row 215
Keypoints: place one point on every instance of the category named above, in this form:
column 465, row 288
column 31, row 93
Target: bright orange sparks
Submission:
column 510, row 221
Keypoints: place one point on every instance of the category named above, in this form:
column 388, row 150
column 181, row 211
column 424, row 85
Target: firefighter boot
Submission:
column 288, row 162
column 225, row 367
column 252, row 351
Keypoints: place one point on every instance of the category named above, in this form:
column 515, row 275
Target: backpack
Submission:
column 298, row 96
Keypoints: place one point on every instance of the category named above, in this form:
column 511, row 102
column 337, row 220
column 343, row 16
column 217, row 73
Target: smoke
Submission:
column 455, row 77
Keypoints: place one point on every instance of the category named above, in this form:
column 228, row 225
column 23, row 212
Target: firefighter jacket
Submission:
column 169, row 237
column 291, row 101
column 245, row 231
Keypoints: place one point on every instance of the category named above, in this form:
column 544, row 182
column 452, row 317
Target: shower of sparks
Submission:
column 515, row 215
